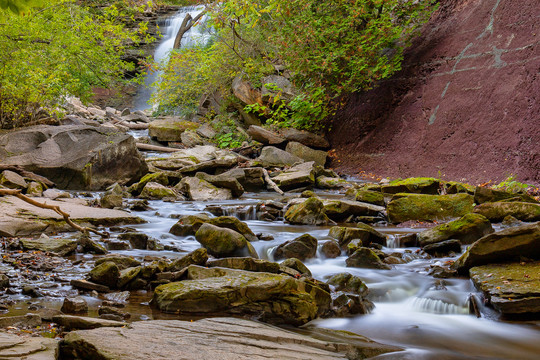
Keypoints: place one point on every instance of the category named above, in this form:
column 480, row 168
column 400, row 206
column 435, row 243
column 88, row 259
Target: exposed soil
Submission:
column 466, row 105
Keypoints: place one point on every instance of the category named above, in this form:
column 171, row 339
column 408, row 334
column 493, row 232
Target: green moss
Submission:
column 419, row 207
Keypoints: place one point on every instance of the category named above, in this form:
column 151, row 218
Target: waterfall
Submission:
column 169, row 29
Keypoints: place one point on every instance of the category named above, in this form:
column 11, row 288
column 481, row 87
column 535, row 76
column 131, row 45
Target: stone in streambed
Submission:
column 197, row 257
column 497, row 211
column 71, row 322
column 188, row 224
column 295, row 264
column 223, row 181
column 418, row 185
column 368, row 196
column 245, row 263
column 61, row 246
column 405, row 207
column 272, row 156
column 297, row 176
column 122, row 261
column 303, row 247
column 12, row 180
column 484, row 194
column 366, row 258
column 155, row 191
column 342, row 209
column 200, row 190
column 467, row 229
column 443, row 248
column 330, row 249
column 306, row 153
column 309, row 212
column 106, row 274
column 170, row 129
column 365, row 233
column 223, row 242
column 74, row 305
column 231, row 222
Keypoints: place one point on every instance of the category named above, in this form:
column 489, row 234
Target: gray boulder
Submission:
column 306, row 138
column 297, row 176
column 467, row 229
column 366, row 258
column 272, row 156
column 264, row 136
column 365, row 233
column 223, row 242
column 306, row 153
column 12, row 180
column 200, row 190
column 170, row 129
column 497, row 211
column 302, row 248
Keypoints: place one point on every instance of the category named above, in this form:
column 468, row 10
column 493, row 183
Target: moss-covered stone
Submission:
column 197, row 257
column 230, row 222
column 454, row 187
column 467, row 229
column 366, row 258
column 223, row 242
column 405, row 207
column 348, row 283
column 497, row 211
column 296, row 264
column 123, row 262
column 127, row 276
column 155, row 191
column 60, row 246
column 245, row 263
column 365, row 233
column 170, row 129
column 34, row 189
column 157, row 177
column 417, row 185
column 303, row 247
column 106, row 274
column 310, row 212
column 341, row 209
column 188, row 224
column 326, row 182
column 370, row 197
column 484, row 194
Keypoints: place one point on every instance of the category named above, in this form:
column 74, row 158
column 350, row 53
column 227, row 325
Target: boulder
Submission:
column 188, row 224
column 137, row 240
column 277, row 85
column 223, row 242
column 12, row 180
column 170, row 129
column 306, row 153
column 122, row 261
column 413, row 185
column 206, row 131
column 245, row 263
column 327, row 182
column 348, row 283
column 366, row 258
column 61, row 246
column 503, row 246
column 443, row 248
column 74, row 156
column 306, row 138
column 271, row 297
column 127, row 276
column 467, row 229
column 342, row 209
column 231, row 222
column 186, row 158
column 296, row 265
column 244, row 91
column 497, row 211
column 154, row 191
column 74, row 305
column 405, row 207
column 28, row 348
column 111, row 201
column 223, row 181
column 200, row 190
column 251, row 179
column 272, row 156
column 297, row 176
column 483, row 194
column 512, row 289
column 71, row 322
column 157, row 177
column 34, row 189
column 330, row 249
column 303, row 247
column 191, row 139
column 265, row 136
column 106, row 274
column 368, row 196
column 197, row 257
column 309, row 212
column 231, row 337
column 365, row 233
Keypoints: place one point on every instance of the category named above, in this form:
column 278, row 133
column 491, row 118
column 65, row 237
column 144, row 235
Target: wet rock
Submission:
column 231, row 222
column 497, row 211
column 118, row 245
column 295, row 264
column 197, row 257
column 306, row 138
column 88, row 285
column 419, row 185
column 170, row 129
column 187, row 158
column 297, row 176
column 71, row 322
column 155, row 191
column 106, row 274
column 127, row 276
column 366, row 258
column 21, row 321
column 441, row 272
column 348, row 283
column 4, row 281
column 467, row 229
column 74, row 305
column 109, row 310
column 34, row 189
column 344, row 304
column 200, row 190
column 511, row 289
column 265, row 136
column 365, row 233
column 219, row 290
column 139, row 205
column 443, row 248
column 90, row 245
column 191, row 139
column 223, row 242
column 74, row 156
column 331, row 249
column 12, row 180
column 157, row 177
column 223, row 181
column 309, row 212
column 111, row 201
column 502, row 246
column 230, row 336
column 405, row 207
column 484, row 194
column 137, row 240
column 303, row 247
column 342, row 209
column 326, row 182
column 251, row 179
column 61, row 247
column 272, row 156
column 28, row 348
column 122, row 261
column 189, row 224
column 368, row 196
column 206, row 131
column 245, row 263
column 306, row 153
column 510, row 221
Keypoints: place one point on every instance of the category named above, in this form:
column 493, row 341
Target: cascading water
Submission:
column 169, row 29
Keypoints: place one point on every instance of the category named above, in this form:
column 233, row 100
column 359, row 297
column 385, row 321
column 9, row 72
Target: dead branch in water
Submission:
column 56, row 209
column 270, row 183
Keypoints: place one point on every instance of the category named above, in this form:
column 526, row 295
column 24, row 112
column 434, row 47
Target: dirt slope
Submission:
column 466, row 105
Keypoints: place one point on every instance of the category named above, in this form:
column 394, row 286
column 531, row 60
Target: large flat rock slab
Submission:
column 19, row 218
column 210, row 339
column 28, row 348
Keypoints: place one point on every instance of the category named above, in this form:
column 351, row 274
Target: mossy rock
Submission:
column 341, row 209
column 303, row 247
column 467, row 229
column 298, row 265
column 127, row 276
column 497, row 211
column 245, row 263
column 106, row 274
column 170, row 129
column 310, row 212
column 61, row 247
column 348, row 283
column 231, row 222
column 370, row 197
column 484, row 194
column 365, row 233
column 188, row 224
column 197, row 257
column 405, row 207
column 454, row 187
column 123, row 262
column 366, row 258
column 417, row 185
column 155, row 191
column 223, row 242
column 157, row 177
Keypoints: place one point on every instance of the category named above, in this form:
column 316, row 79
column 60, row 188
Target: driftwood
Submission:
column 187, row 24
column 149, row 147
column 270, row 183
column 130, row 125
column 28, row 174
column 56, row 209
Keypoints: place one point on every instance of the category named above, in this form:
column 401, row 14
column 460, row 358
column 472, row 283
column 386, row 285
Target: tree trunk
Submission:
column 187, row 24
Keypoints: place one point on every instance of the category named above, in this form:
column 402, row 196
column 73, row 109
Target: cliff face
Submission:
column 466, row 105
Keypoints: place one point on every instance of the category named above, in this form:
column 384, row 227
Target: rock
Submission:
column 223, row 181
column 219, row 290
column 34, row 189
column 370, row 197
column 74, row 305
column 27, row 348
column 71, row 322
column 420, row 185
column 306, row 138
column 189, row 157
column 127, row 276
column 28, row 320
column 303, row 247
column 155, row 191
column 348, row 283
column 306, row 153
column 366, row 258
column 365, row 233
column 326, row 182
column 122, row 261
column 443, row 248
column 510, row 221
column 200, row 190
column 137, row 240
column 118, row 245
column 191, row 139
column 297, row 176
column 296, row 264
column 440, row 272
column 206, row 131
column 467, row 229
column 74, row 157
column 272, row 156
column 244, row 91
column 245, row 263
column 61, row 246
column 157, row 177
column 4, row 281
column 139, row 205
column 342, row 209
column 310, row 212
column 106, row 274
column 484, row 194
column 12, row 180
column 55, row 194
column 331, row 249
column 511, row 289
column 197, row 257
column 189, row 224
column 251, row 179
column 223, row 242
column 90, row 246
column 170, row 129
column 502, row 246
column 230, row 222
column 264, row 136
column 231, row 337
column 111, row 201
column 405, row 207
column 88, row 285
column 106, row 311
column 497, row 211
column 277, row 85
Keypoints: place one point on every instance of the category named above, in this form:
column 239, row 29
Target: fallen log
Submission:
column 270, row 183
column 56, row 209
column 142, row 146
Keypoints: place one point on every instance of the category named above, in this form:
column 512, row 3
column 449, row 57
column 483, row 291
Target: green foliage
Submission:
column 57, row 51
column 510, row 184
column 228, row 140
column 19, row 6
